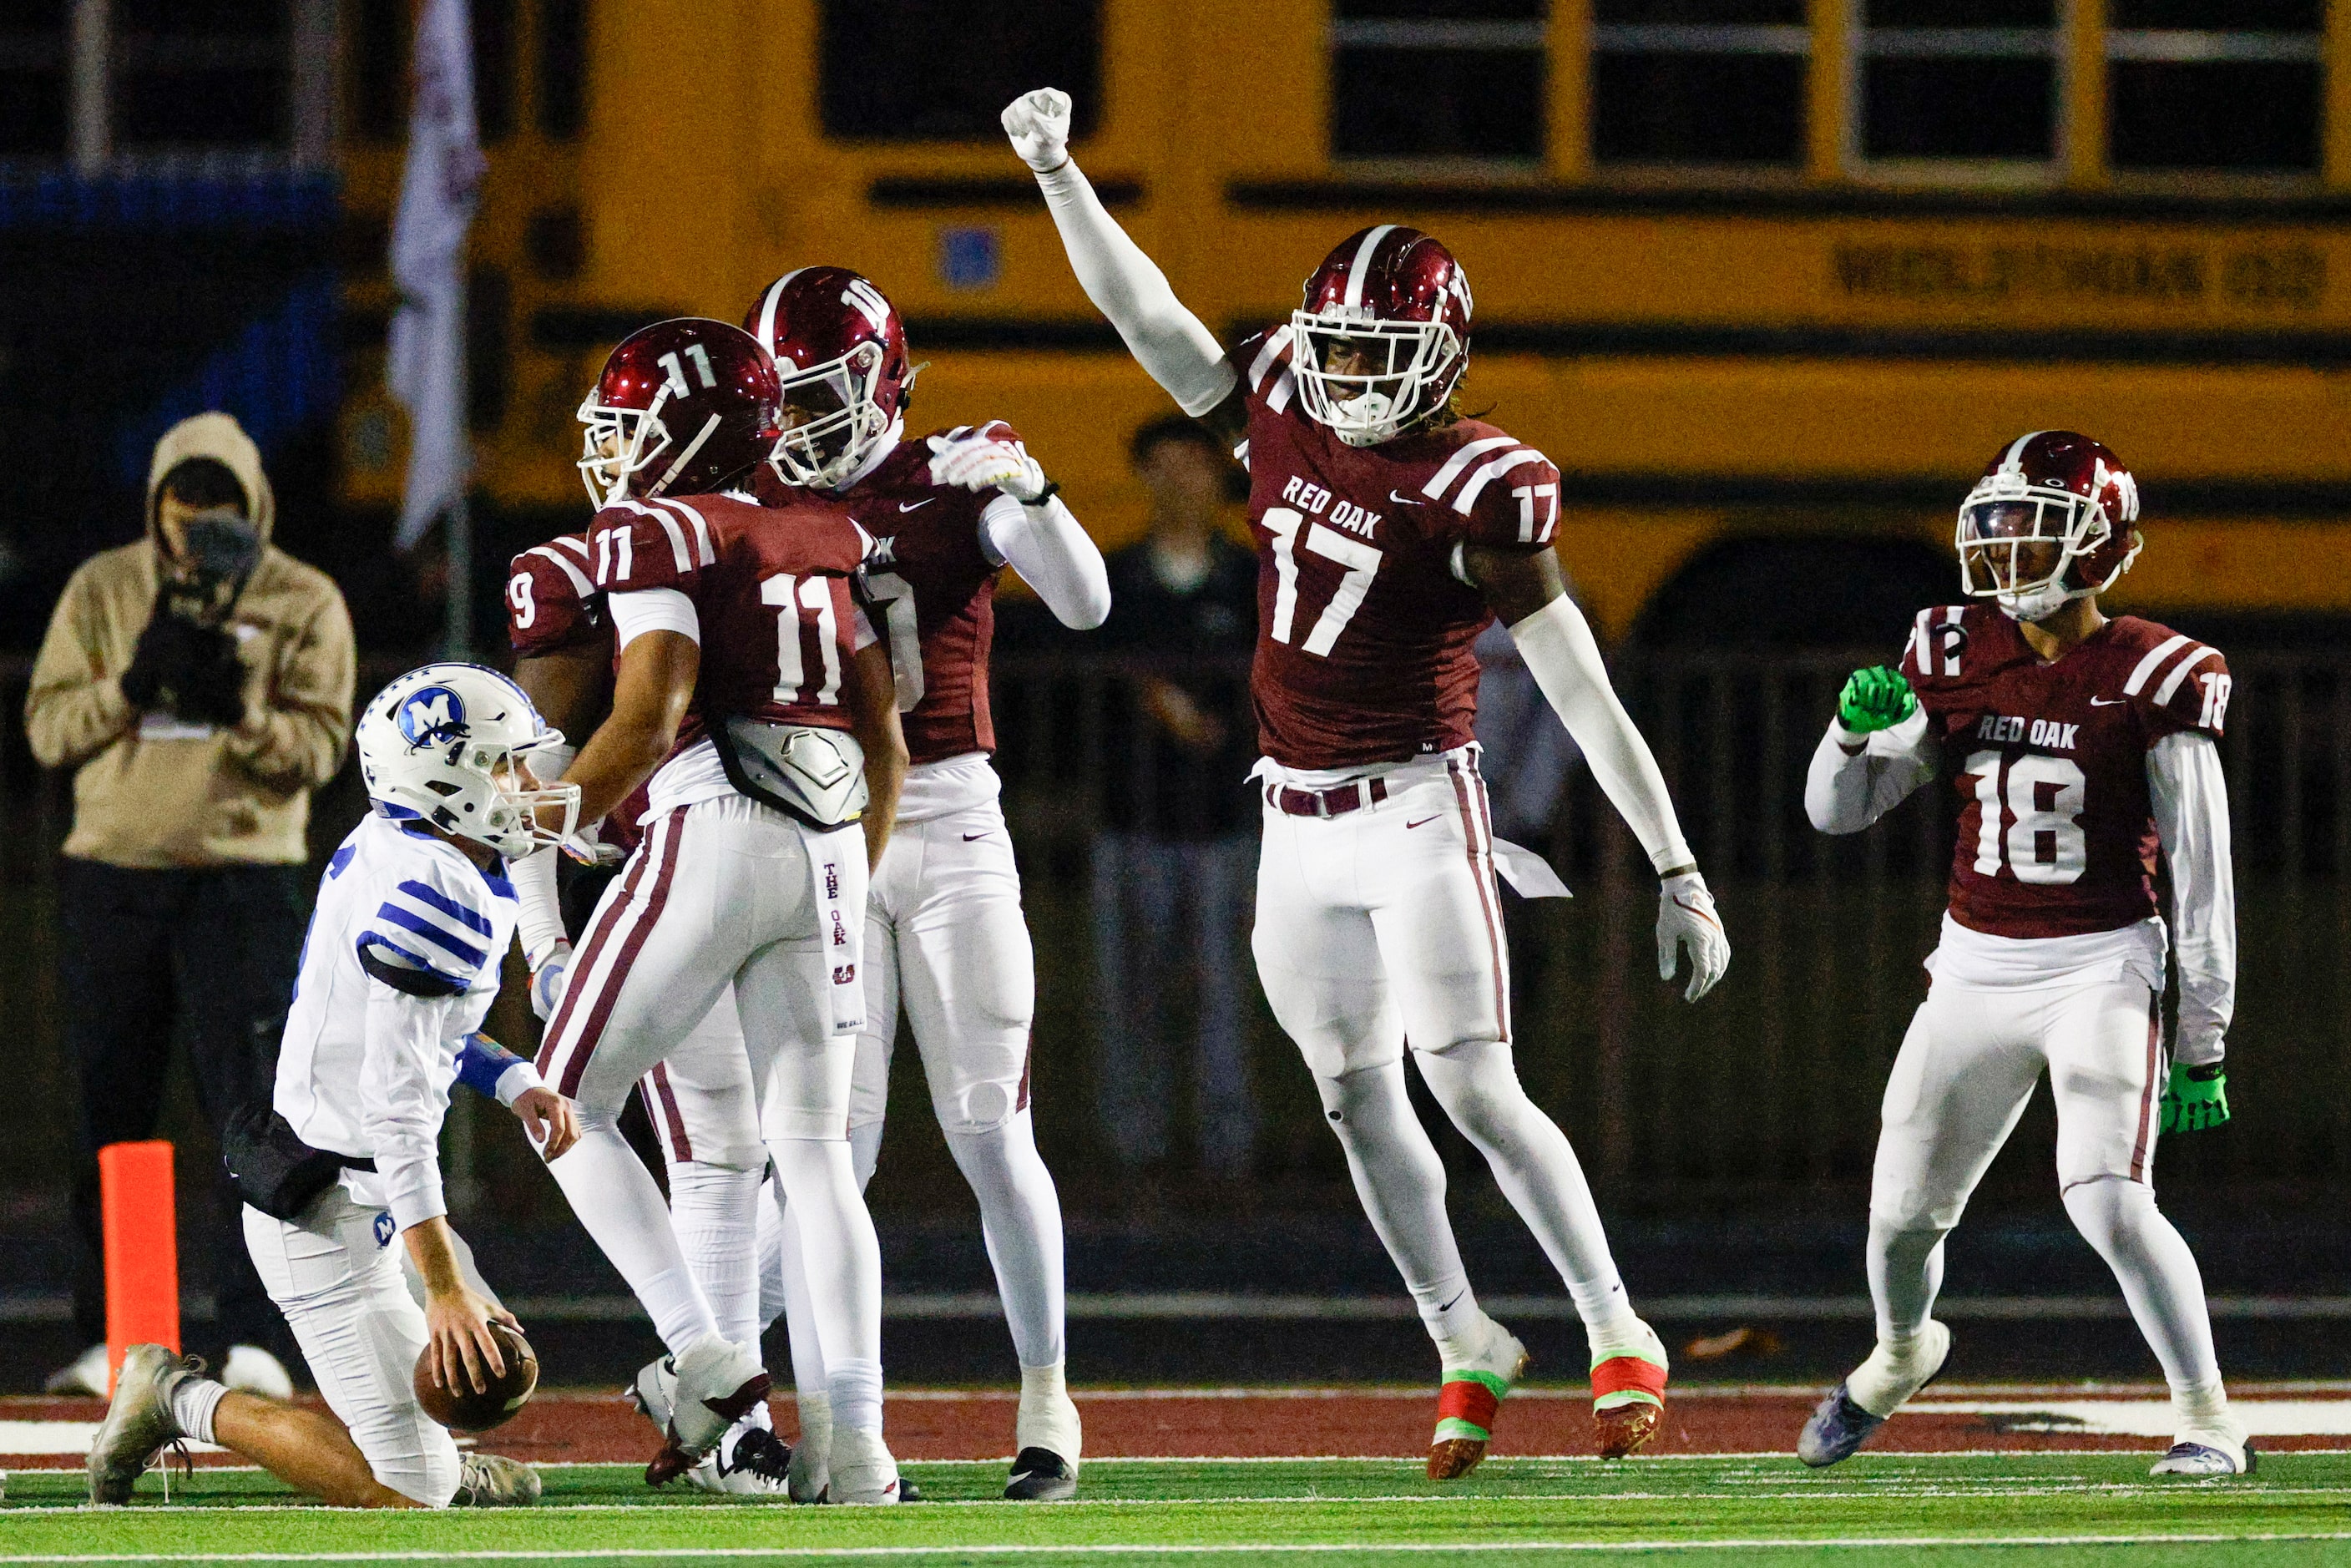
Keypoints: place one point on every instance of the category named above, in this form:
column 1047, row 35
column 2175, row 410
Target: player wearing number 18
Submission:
column 2081, row 748
column 1391, row 531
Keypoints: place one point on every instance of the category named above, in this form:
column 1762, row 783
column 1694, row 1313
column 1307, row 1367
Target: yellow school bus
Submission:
column 1764, row 278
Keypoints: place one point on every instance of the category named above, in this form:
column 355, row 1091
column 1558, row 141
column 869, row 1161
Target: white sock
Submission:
column 839, row 1257
column 1401, row 1183
column 1047, row 1418
column 619, row 1205
column 798, row 1309
column 1539, row 1172
column 1044, row 1382
column 1905, row 1275
column 1020, row 1217
column 856, row 1395
column 193, row 1403
column 716, row 1210
column 2158, row 1274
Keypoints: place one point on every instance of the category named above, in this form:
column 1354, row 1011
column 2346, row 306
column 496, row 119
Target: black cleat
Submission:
column 1040, row 1474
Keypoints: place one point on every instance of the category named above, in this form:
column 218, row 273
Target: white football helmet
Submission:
column 451, row 745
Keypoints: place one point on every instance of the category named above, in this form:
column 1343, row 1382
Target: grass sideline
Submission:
column 2043, row 1510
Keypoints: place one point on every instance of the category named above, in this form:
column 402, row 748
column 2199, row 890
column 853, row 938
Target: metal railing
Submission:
column 1774, row 1081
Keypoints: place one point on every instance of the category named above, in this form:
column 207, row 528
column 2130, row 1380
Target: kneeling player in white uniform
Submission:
column 945, row 936
column 2081, row 748
column 1391, row 531
column 399, row 968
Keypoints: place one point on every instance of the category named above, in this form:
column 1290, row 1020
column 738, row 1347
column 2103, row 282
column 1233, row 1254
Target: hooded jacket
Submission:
column 157, row 791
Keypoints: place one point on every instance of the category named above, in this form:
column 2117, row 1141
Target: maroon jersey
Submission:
column 770, row 587
column 1365, row 625
column 932, row 579
column 2056, row 832
column 551, row 603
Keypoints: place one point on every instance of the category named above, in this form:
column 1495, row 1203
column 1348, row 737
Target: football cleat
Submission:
column 863, row 1473
column 1040, row 1474
column 1628, row 1395
column 716, row 1382
column 757, row 1463
column 493, row 1481
column 1841, row 1424
column 2216, row 1457
column 139, row 1421
column 1835, row 1430
column 1468, row 1400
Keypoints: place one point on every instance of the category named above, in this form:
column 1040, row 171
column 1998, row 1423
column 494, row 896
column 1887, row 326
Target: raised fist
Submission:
column 1876, row 698
column 983, row 462
column 1039, row 124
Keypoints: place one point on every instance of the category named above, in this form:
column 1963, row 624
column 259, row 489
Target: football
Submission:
column 463, row 1411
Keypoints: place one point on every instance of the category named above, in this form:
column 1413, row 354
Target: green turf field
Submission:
column 2038, row 1509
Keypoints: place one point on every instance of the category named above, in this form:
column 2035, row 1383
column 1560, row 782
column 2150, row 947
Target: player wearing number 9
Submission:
column 1392, row 530
column 2080, row 748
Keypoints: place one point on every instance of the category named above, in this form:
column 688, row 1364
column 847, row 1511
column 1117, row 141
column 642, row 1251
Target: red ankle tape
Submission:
column 1626, row 1375
column 1466, row 1401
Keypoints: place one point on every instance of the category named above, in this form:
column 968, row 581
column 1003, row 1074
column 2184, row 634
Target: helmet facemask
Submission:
column 832, row 419
column 617, row 444
column 2018, row 544
column 1368, row 379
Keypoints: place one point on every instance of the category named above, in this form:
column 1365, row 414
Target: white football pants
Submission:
column 336, row 1274
column 1381, row 927
column 1967, row 1068
column 724, row 893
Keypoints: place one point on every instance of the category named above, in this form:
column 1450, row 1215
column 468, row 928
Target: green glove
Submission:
column 2198, row 1098
column 1876, row 698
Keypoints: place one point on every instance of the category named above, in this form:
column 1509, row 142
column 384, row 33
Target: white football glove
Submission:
column 1687, row 919
column 547, row 982
column 1039, row 124
column 981, row 462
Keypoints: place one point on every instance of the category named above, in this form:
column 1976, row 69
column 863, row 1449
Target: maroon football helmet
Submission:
column 1383, row 335
column 841, row 352
column 690, row 404
column 2049, row 521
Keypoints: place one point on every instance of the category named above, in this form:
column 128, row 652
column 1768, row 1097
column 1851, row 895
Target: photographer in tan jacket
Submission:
column 199, row 682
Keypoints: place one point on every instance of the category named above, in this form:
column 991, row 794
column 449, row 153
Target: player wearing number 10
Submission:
column 1390, row 533
column 2080, row 748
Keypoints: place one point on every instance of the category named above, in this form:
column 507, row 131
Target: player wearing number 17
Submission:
column 1391, row 531
column 2081, row 749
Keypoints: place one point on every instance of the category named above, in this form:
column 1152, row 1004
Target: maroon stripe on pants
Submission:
column 584, row 1046
column 1470, row 829
column 2146, row 1099
column 680, row 1147
column 584, row 961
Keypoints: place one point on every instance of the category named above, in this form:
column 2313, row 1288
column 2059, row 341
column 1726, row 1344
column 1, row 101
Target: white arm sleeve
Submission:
column 644, row 610
column 1052, row 554
column 1845, row 792
column 540, row 922
column 1167, row 340
column 404, row 1077
column 1558, row 646
column 2191, row 820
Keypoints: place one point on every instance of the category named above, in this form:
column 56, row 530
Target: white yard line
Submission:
column 1227, row 1549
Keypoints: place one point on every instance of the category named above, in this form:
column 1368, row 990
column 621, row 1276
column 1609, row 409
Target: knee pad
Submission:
column 984, row 1107
column 1477, row 1083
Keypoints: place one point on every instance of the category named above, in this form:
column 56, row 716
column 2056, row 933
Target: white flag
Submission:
column 426, row 369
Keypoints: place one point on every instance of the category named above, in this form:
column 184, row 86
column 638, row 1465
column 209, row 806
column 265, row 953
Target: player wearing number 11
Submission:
column 1391, row 531
column 2081, row 748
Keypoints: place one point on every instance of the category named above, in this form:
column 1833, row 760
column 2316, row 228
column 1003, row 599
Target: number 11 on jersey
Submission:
column 800, row 605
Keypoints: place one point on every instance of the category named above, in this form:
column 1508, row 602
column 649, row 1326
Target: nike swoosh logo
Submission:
column 1701, row 914
column 1401, row 499
column 1422, row 823
column 1448, row 1306
column 968, row 837
column 910, row 506
column 2105, row 702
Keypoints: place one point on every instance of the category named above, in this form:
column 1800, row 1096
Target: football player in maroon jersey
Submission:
column 562, row 642
column 754, row 699
column 2082, row 750
column 1390, row 533
column 945, row 936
